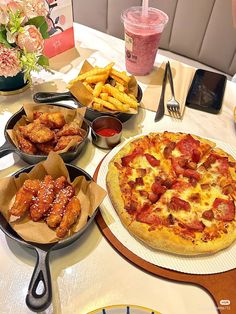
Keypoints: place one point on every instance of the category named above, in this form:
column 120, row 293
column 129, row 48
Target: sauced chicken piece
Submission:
column 37, row 133
column 25, row 145
column 53, row 120
column 59, row 205
column 44, row 199
column 72, row 128
column 65, row 140
column 24, row 197
column 60, row 183
column 72, row 212
column 45, row 148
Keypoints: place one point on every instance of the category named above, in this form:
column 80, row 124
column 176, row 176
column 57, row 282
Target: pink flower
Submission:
column 14, row 6
column 9, row 6
column 30, row 39
column 9, row 61
column 4, row 2
column 33, row 8
column 4, row 18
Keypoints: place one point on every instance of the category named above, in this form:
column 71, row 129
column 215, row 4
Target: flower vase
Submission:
column 13, row 84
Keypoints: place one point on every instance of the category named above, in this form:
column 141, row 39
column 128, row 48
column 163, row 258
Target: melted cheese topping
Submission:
column 200, row 198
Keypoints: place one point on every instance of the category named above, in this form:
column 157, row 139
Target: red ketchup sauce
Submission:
column 107, row 132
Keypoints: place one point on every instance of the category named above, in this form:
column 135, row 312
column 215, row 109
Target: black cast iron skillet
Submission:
column 40, row 301
column 91, row 114
column 9, row 147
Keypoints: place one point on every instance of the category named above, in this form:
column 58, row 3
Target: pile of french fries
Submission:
column 108, row 96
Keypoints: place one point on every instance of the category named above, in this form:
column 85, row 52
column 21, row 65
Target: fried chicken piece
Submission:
column 60, row 183
column 24, row 197
column 59, row 205
column 25, row 145
column 44, row 199
column 45, row 148
column 37, row 133
column 72, row 128
column 65, row 140
column 53, row 120
column 72, row 212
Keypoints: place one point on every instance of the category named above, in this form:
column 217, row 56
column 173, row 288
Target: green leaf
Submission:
column 41, row 24
column 3, row 39
column 43, row 61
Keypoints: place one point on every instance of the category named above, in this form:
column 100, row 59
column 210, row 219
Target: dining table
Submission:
column 98, row 271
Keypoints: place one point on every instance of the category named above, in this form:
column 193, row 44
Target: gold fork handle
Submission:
column 170, row 79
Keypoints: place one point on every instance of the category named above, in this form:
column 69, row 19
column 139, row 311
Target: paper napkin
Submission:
column 182, row 78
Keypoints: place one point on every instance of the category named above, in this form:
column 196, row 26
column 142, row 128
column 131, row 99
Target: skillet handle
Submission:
column 6, row 149
column 45, row 97
column 39, row 295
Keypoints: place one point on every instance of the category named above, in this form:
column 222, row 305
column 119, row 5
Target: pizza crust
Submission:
column 163, row 239
column 112, row 183
column 178, row 135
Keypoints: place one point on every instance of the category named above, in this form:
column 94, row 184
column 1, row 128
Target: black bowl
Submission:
column 40, row 301
column 9, row 147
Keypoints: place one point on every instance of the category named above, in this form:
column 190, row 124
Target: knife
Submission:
column 161, row 107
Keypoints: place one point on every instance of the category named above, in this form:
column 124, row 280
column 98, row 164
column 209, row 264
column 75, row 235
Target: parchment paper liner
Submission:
column 69, row 114
column 89, row 193
column 80, row 92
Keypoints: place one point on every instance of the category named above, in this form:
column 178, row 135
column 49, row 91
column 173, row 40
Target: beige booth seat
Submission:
column 200, row 30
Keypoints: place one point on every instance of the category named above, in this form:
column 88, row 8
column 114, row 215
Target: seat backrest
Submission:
column 198, row 29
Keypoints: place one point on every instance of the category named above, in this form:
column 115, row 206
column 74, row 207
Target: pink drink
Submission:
column 142, row 36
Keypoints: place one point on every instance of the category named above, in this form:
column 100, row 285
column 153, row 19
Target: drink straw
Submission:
column 145, row 8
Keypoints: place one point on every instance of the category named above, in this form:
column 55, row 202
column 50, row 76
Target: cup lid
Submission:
column 156, row 19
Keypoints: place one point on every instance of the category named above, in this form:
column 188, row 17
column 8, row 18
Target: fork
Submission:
column 173, row 105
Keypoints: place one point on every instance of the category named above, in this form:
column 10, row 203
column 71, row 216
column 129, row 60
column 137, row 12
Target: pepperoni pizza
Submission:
column 176, row 192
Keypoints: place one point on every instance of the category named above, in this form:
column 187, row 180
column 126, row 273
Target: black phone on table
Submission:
column 206, row 91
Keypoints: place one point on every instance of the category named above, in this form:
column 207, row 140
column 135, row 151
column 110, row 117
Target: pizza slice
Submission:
column 184, row 152
column 218, row 169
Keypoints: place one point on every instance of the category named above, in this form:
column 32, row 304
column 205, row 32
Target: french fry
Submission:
column 121, row 75
column 97, row 78
column 105, row 104
column 124, row 98
column 95, row 71
column 97, row 106
column 120, row 107
column 89, row 88
column 118, row 79
column 120, row 87
column 98, row 88
column 104, row 96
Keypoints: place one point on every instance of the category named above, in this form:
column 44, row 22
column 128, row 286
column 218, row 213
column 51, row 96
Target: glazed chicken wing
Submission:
column 24, row 197
column 58, row 206
column 53, row 120
column 72, row 212
column 45, row 148
column 44, row 199
column 25, row 145
column 65, row 140
column 72, row 128
column 60, row 183
column 37, row 133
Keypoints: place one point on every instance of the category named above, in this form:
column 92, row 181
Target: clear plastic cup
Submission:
column 142, row 36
